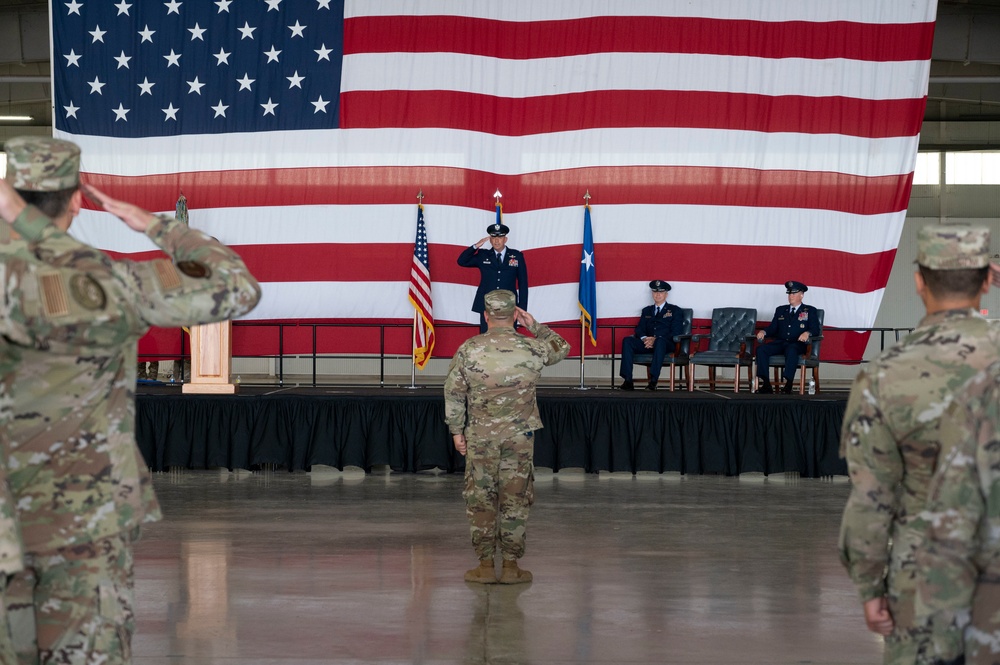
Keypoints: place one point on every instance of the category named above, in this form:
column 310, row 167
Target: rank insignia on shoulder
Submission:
column 88, row 292
column 194, row 269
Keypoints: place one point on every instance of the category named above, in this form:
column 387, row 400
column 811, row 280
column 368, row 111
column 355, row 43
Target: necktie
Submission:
column 656, row 312
column 499, row 257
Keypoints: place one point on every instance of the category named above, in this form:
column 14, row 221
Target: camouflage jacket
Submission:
column 890, row 439
column 490, row 388
column 75, row 470
column 961, row 558
column 38, row 311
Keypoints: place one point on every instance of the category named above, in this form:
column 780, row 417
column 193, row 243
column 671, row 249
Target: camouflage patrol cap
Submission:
column 500, row 303
column 42, row 164
column 953, row 247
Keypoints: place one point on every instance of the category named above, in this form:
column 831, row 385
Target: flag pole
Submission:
column 583, row 325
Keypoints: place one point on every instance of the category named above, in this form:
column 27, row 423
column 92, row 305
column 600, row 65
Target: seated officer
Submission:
column 658, row 325
column 790, row 329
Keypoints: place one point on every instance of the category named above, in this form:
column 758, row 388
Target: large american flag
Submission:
column 728, row 145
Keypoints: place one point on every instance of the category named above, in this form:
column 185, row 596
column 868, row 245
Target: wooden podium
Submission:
column 211, row 359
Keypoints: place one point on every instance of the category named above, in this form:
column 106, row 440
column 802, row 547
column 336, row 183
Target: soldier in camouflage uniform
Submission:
column 490, row 409
column 81, row 485
column 890, row 435
column 960, row 590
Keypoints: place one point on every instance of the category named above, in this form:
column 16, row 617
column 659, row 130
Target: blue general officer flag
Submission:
column 588, row 280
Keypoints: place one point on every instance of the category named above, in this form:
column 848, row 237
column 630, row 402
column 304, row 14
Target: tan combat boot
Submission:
column 511, row 574
column 482, row 574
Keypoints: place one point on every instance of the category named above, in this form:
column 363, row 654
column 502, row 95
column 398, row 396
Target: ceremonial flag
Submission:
column 420, row 296
column 588, row 279
column 717, row 135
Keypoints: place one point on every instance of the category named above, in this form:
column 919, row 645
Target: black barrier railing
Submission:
column 894, row 334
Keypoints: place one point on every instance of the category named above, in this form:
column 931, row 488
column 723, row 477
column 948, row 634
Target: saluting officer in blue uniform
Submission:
column 790, row 329
column 500, row 267
column 658, row 325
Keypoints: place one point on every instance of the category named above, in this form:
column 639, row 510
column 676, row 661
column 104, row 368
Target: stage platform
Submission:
column 597, row 430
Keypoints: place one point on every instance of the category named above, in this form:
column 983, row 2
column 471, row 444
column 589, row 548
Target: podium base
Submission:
column 210, row 388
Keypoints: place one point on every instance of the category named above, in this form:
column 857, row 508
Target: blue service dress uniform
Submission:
column 664, row 327
column 785, row 329
column 510, row 274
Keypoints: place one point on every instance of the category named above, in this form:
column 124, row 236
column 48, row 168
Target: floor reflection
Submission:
column 277, row 567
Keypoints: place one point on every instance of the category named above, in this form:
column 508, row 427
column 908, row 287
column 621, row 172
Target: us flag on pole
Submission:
column 733, row 146
column 420, row 296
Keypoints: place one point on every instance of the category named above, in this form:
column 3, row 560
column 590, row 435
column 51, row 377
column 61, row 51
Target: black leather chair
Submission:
column 810, row 359
column 731, row 335
column 679, row 357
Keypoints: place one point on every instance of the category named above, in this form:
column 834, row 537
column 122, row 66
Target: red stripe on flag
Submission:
column 631, row 108
column 725, row 264
column 692, row 185
column 639, row 34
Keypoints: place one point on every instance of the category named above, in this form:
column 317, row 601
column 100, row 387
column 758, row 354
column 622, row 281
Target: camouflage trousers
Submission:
column 74, row 605
column 7, row 654
column 499, row 491
column 914, row 640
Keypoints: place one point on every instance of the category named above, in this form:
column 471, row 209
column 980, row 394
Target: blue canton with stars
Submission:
column 146, row 68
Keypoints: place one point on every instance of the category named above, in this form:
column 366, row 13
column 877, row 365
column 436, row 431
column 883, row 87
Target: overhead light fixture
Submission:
column 15, row 118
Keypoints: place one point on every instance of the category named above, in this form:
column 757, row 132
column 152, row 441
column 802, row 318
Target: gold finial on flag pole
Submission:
column 497, row 196
column 586, row 198
column 420, row 197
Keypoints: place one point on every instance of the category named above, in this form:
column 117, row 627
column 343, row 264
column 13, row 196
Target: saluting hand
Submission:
column 523, row 318
column 135, row 217
column 482, row 242
column 11, row 203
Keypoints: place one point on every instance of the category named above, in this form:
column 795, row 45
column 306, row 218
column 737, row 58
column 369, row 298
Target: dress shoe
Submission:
column 787, row 388
column 651, row 385
column 626, row 385
column 764, row 387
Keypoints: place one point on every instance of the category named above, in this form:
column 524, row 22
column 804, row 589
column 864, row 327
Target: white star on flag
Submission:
column 123, row 8
column 320, row 104
column 269, row 107
column 197, row 32
column 146, row 87
column 295, row 81
column 222, row 57
column 196, row 86
column 171, row 112
column 297, row 29
column 71, row 109
column 147, row 35
column 96, row 85
column 220, row 109
column 245, row 82
column 272, row 55
column 121, row 112
column 123, row 60
column 72, row 59
column 173, row 7
column 246, row 30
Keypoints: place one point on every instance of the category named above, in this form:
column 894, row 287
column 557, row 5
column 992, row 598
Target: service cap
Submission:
column 42, row 164
column 659, row 285
column 791, row 286
column 497, row 230
column 953, row 247
column 500, row 303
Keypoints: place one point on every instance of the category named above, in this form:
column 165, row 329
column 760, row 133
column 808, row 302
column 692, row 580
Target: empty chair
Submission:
column 729, row 340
